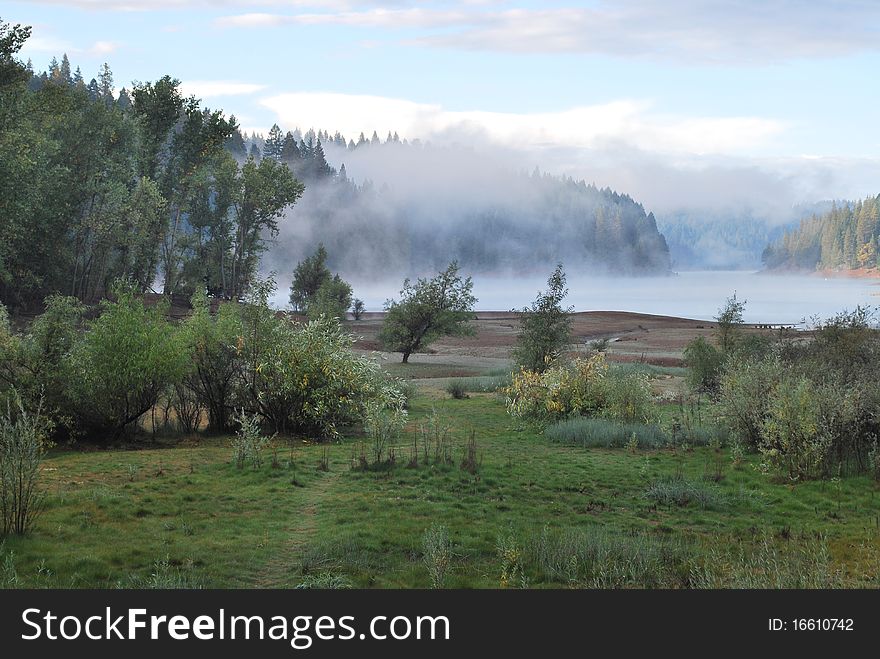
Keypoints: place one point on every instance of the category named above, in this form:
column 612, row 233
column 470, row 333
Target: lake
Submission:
column 770, row 298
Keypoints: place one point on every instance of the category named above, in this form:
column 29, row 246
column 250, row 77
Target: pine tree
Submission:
column 64, row 71
column 105, row 84
column 289, row 150
column 274, row 144
column 124, row 100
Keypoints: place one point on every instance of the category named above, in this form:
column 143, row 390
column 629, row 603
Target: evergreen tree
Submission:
column 64, row 74
column 105, row 84
column 274, row 144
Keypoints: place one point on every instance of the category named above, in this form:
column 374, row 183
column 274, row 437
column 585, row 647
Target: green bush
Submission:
column 23, row 442
column 585, row 387
column 332, row 299
column 212, row 377
column 746, row 389
column 704, row 362
column 36, row 364
column 304, row 377
column 457, row 389
column 127, row 359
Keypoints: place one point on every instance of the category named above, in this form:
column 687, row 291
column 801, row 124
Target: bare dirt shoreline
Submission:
column 641, row 337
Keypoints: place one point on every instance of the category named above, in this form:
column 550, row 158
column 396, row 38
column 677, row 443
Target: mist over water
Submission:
column 770, row 298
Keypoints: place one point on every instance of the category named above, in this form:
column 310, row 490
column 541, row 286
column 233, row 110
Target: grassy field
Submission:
column 535, row 513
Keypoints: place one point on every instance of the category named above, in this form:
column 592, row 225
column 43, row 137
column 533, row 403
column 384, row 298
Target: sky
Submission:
column 723, row 100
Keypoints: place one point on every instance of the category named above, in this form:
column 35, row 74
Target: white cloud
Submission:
column 164, row 5
column 625, row 121
column 102, row 48
column 706, row 31
column 45, row 43
column 213, row 88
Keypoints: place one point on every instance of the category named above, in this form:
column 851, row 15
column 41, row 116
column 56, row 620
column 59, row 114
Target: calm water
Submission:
column 770, row 298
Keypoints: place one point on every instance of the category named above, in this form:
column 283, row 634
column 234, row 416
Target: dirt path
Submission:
column 277, row 573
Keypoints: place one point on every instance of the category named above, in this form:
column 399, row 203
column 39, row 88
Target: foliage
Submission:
column 98, row 185
column 383, row 426
column 212, row 342
column 729, row 322
column 704, row 362
column 304, row 378
column 586, row 387
column 23, row 443
column 844, row 237
column 249, row 442
column 811, row 410
column 332, row 299
column 746, row 388
column 545, row 327
column 427, row 310
column 457, row 389
column 308, row 276
column 124, row 362
column 357, row 308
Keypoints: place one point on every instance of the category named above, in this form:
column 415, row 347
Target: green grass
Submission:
column 595, row 433
column 185, row 516
column 651, row 370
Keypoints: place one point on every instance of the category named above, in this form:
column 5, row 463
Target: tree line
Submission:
column 97, row 186
column 846, row 237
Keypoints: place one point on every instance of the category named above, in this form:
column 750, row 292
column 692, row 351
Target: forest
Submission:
column 843, row 238
column 148, row 185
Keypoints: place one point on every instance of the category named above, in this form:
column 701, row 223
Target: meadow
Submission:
column 530, row 512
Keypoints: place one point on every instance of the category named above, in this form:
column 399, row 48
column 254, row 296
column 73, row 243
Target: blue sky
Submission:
column 785, row 86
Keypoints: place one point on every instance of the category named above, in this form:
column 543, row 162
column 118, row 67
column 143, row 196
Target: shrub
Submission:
column 304, row 378
column 332, row 299
column 36, row 364
column 792, row 437
column 128, row 357
column 437, row 554
column 746, row 388
column 602, row 433
column 248, row 442
column 704, row 362
column 586, row 387
column 383, row 426
column 627, row 397
column 212, row 342
column 456, row 388
column 23, row 442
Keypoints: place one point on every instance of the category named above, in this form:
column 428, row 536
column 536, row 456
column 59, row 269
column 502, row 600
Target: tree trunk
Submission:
column 406, row 357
